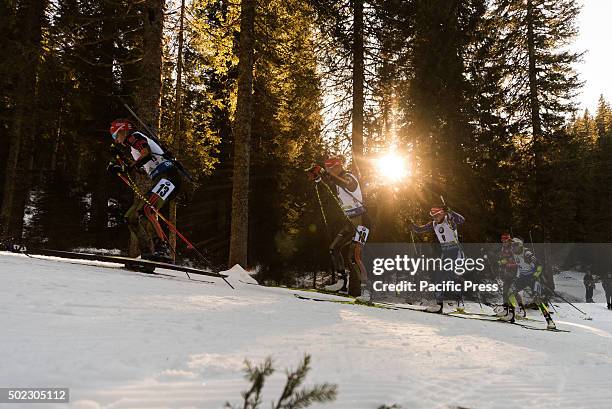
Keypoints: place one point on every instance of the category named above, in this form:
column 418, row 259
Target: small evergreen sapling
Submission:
column 292, row 397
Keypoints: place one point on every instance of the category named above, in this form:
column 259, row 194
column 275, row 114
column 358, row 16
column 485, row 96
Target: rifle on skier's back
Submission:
column 167, row 153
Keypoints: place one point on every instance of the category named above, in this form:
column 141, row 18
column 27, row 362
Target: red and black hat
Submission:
column 334, row 161
column 436, row 211
column 121, row 125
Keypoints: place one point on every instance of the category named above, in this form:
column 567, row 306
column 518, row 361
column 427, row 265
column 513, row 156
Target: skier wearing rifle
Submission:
column 345, row 187
column 508, row 272
column 529, row 275
column 149, row 158
column 444, row 224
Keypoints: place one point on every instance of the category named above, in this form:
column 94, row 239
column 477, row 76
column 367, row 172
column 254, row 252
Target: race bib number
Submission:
column 361, row 235
column 537, row 288
column 163, row 188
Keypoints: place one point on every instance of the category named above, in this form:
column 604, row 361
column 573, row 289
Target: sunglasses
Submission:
column 116, row 133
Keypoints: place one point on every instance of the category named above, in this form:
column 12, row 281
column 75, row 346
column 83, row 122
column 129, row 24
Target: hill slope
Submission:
column 120, row 339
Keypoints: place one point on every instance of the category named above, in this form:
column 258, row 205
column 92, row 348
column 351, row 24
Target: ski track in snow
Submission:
column 119, row 340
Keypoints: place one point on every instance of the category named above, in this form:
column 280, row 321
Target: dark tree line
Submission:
column 479, row 95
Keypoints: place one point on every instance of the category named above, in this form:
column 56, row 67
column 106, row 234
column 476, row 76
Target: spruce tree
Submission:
column 239, row 236
column 541, row 83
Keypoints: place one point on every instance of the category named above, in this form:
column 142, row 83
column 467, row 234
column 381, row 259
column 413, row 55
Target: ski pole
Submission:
column 139, row 194
column 557, row 294
column 132, row 185
column 128, row 181
column 545, row 286
column 339, row 205
column 327, row 232
column 450, row 221
column 461, row 250
column 413, row 243
column 496, row 275
column 532, row 245
column 321, row 207
column 554, row 308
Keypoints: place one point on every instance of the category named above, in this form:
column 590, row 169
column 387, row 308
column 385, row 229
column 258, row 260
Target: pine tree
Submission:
column 358, row 83
column 148, row 96
column 239, row 238
column 286, row 138
column 31, row 20
column 603, row 120
column 541, row 84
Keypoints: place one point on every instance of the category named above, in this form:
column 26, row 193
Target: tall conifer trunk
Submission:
column 536, row 123
column 238, row 250
column 358, row 81
column 358, row 102
column 148, row 97
column 176, row 127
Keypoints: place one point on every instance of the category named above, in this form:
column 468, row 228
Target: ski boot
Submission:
column 521, row 314
column 436, row 309
column 501, row 310
column 340, row 286
column 366, row 296
column 161, row 252
column 509, row 315
column 522, row 311
column 610, row 306
column 550, row 324
column 460, row 306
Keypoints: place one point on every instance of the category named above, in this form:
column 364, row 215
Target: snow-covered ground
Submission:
column 569, row 284
column 120, row 339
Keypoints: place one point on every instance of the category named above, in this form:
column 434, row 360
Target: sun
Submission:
column 392, row 167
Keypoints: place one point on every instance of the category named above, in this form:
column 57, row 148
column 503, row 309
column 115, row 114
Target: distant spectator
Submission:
column 606, row 282
column 589, row 284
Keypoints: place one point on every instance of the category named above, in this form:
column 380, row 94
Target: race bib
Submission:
column 361, row 235
column 537, row 288
column 163, row 188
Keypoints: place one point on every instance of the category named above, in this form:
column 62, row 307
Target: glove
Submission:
column 115, row 149
column 115, row 168
column 538, row 272
column 315, row 172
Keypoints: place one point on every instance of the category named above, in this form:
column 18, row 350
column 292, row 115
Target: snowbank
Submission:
column 237, row 274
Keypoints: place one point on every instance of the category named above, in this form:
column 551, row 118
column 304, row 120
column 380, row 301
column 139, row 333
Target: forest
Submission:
column 476, row 98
